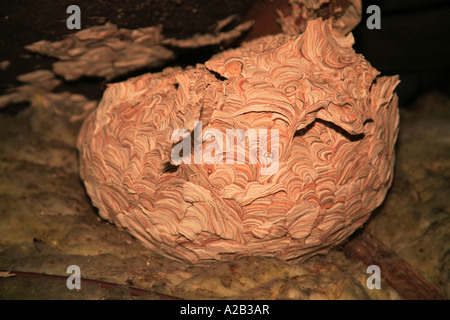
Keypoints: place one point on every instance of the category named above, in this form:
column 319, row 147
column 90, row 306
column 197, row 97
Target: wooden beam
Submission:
column 397, row 273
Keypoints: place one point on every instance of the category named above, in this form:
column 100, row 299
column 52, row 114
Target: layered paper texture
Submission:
column 337, row 123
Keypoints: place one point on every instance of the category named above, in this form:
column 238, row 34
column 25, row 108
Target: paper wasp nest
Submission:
column 336, row 122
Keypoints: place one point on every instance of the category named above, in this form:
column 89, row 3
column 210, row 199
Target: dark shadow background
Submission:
column 413, row 42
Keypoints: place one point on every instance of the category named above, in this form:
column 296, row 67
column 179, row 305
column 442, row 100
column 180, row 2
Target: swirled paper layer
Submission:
column 337, row 123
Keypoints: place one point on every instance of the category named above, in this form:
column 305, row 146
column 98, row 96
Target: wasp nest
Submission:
column 331, row 164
